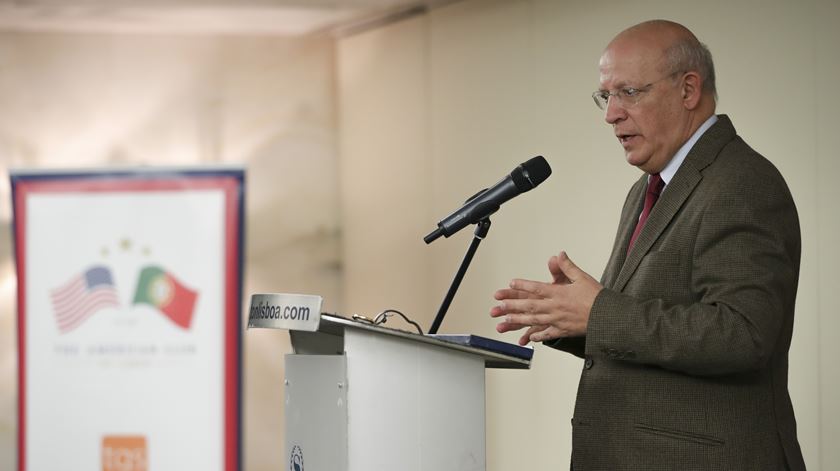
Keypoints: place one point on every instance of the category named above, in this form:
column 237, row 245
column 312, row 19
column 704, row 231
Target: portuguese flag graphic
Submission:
column 160, row 289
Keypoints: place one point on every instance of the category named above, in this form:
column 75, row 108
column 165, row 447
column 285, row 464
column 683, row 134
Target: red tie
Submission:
column 654, row 188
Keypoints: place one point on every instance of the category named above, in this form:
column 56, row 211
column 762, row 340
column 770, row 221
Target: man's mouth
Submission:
column 625, row 139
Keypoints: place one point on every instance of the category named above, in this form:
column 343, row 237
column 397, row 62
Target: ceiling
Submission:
column 236, row 17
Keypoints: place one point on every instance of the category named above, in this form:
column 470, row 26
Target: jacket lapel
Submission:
column 629, row 217
column 672, row 199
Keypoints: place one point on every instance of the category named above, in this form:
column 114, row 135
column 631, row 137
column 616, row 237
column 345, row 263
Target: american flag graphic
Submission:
column 83, row 295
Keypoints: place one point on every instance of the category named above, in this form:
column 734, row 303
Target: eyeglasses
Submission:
column 628, row 96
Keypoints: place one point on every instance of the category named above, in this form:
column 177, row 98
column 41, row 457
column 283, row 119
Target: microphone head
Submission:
column 531, row 173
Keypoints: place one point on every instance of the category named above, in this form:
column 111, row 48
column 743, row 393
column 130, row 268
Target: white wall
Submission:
column 383, row 170
column 439, row 106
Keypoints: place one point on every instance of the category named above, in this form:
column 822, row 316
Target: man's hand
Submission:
column 549, row 310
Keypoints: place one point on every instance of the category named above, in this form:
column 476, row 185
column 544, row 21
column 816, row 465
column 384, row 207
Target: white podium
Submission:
column 361, row 397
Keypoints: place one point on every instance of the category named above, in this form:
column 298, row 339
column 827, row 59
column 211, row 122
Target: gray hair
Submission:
column 689, row 54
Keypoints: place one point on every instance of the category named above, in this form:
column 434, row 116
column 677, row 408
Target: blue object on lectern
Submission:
column 484, row 343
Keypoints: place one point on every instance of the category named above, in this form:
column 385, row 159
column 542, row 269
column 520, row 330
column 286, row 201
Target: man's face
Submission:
column 651, row 129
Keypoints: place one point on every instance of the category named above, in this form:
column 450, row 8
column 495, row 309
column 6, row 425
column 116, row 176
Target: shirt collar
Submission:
column 671, row 169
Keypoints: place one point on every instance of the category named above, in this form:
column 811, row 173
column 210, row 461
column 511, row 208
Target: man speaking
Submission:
column 685, row 339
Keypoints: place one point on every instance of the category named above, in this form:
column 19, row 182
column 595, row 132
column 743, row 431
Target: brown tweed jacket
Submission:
column 686, row 353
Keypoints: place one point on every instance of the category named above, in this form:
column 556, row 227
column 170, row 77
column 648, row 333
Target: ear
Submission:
column 692, row 89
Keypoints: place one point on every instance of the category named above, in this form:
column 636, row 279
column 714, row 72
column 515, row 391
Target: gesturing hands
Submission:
column 549, row 310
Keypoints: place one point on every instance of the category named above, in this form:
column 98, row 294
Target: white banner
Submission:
column 129, row 289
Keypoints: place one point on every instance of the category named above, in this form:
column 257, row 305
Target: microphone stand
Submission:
column 480, row 233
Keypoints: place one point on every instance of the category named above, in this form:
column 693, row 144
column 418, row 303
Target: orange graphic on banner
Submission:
column 124, row 453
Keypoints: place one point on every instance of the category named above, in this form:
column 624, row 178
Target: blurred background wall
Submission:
column 358, row 133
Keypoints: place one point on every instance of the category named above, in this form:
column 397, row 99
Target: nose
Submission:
column 615, row 112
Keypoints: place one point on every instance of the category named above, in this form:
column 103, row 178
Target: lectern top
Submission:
column 324, row 333
column 496, row 354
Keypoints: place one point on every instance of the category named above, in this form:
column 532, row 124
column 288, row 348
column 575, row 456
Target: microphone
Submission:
column 486, row 202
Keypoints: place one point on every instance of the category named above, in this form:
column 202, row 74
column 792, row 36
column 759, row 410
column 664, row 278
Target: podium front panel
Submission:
column 361, row 397
column 316, row 412
column 413, row 406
